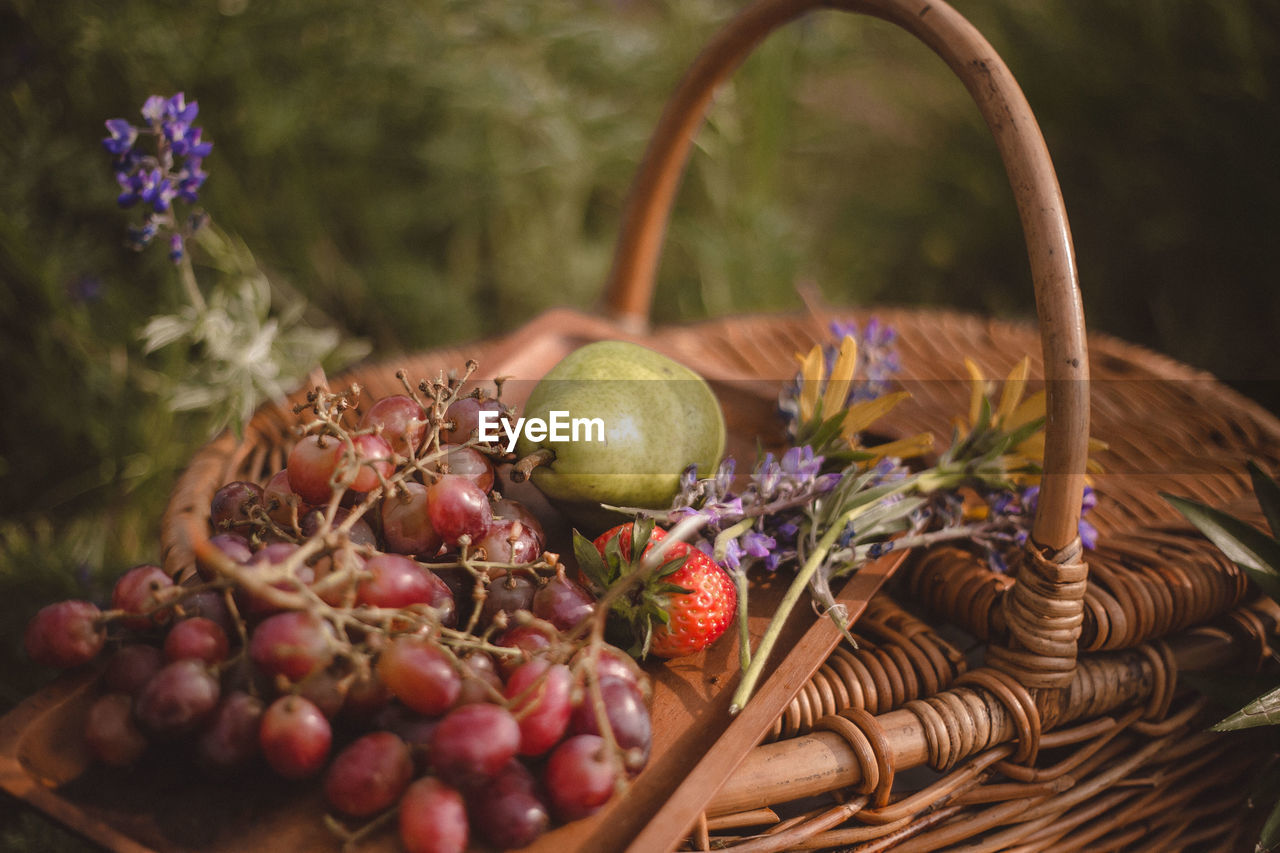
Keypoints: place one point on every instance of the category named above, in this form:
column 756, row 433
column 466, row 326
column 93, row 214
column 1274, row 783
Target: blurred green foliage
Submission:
column 435, row 171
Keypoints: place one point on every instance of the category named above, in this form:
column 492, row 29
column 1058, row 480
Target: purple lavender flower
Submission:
column 767, row 514
column 799, row 463
column 123, row 135
column 175, row 172
column 153, row 109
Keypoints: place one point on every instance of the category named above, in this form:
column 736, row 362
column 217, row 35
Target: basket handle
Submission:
column 1035, row 186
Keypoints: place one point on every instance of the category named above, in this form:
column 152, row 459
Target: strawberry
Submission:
column 682, row 608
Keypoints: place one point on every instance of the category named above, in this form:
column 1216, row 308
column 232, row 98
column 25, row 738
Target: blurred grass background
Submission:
column 434, row 171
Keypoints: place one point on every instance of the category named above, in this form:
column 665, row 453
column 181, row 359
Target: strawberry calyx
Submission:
column 639, row 600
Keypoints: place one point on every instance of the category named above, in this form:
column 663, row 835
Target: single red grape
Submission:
column 311, row 466
column 394, row 581
column 293, row 644
column 458, row 507
column 400, row 420
column 230, row 740
column 211, row 604
column 539, row 696
column 433, row 818
column 406, row 525
column 233, row 546
column 65, row 634
column 111, row 733
column 462, row 420
column 506, row 811
column 466, row 462
column 480, row 680
column 562, row 602
column 130, row 667
column 612, row 662
column 509, row 541
column 628, row 717
column 516, row 511
column 284, row 505
column 420, row 674
column 507, row 592
column 233, row 504
column 294, row 737
column 178, row 699
column 369, row 775
column 580, row 776
column 530, row 638
column 197, row 638
column 264, row 564
column 362, row 465
column 142, row 592
column 473, row 742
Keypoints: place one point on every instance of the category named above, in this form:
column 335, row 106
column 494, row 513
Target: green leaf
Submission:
column 1246, row 546
column 590, row 561
column 1021, row 434
column 641, row 532
column 614, row 558
column 1263, row 711
column 670, row 567
column 1269, row 838
column 1267, row 491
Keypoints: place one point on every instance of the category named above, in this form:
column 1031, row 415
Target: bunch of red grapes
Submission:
column 375, row 616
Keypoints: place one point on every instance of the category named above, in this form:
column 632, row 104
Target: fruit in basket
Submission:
column 421, row 623
column 683, row 607
column 641, row 417
column 369, row 775
column 295, row 737
column 433, row 818
column 65, row 634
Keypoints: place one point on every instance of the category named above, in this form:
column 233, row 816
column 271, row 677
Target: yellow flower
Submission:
column 823, row 397
column 1014, row 412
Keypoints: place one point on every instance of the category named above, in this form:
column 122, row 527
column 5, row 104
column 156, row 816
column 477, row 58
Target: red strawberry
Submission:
column 683, row 608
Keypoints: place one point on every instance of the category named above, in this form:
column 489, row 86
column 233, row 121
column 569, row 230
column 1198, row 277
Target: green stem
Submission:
column 740, row 582
column 751, row 675
column 744, row 635
column 188, row 275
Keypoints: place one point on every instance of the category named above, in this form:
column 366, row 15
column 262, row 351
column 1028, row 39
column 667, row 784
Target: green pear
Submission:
column 631, row 421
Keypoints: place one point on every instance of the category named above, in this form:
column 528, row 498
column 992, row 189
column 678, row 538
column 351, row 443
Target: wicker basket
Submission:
column 1039, row 710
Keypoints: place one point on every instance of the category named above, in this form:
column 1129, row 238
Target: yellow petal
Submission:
column 977, row 389
column 864, row 413
column 1013, row 388
column 1026, row 412
column 904, row 448
column 841, row 377
column 1032, row 447
column 811, row 373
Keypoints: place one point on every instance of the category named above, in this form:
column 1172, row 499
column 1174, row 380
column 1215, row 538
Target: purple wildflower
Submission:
column 123, row 135
column 175, row 172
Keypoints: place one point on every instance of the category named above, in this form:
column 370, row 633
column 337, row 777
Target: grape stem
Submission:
column 523, row 468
